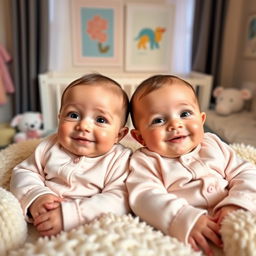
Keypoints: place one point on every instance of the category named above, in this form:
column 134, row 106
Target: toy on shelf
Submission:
column 230, row 100
column 28, row 126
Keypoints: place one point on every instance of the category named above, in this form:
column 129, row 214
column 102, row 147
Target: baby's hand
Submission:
column 204, row 229
column 44, row 203
column 223, row 212
column 49, row 223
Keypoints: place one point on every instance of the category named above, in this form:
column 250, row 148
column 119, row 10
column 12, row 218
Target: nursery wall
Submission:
column 236, row 69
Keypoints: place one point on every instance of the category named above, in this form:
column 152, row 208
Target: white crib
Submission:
column 52, row 85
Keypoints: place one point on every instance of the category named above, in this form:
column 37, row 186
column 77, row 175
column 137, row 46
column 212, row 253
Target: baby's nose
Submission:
column 85, row 125
column 175, row 124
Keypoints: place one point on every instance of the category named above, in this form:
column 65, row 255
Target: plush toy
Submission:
column 28, row 125
column 230, row 100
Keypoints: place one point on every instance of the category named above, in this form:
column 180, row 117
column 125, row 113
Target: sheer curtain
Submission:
column 60, row 57
column 183, row 34
column 60, row 35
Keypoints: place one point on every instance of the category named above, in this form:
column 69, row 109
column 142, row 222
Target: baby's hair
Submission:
column 153, row 83
column 96, row 78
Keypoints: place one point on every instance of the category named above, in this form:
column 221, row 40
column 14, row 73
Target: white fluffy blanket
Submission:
column 109, row 235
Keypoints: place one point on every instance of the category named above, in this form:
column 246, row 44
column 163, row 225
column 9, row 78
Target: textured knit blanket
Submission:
column 109, row 235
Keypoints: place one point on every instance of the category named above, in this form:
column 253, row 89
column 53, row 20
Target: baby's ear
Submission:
column 203, row 117
column 137, row 136
column 122, row 132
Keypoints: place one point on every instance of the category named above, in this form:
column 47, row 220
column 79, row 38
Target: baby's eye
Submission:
column 158, row 121
column 73, row 115
column 101, row 120
column 185, row 113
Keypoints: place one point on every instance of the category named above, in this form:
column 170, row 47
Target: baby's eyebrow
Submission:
column 185, row 104
column 154, row 112
column 68, row 105
column 104, row 112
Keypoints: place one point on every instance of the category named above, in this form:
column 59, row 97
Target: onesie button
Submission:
column 187, row 160
column 210, row 189
column 76, row 160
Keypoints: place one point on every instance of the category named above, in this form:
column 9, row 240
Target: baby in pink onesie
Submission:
column 183, row 181
column 78, row 173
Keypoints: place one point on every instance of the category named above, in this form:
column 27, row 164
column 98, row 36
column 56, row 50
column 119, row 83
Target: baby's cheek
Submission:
column 197, row 131
column 156, row 137
column 104, row 134
column 64, row 127
column 196, row 126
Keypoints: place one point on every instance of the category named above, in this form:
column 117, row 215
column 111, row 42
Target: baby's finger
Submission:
column 41, row 218
column 49, row 229
column 214, row 226
column 220, row 220
column 35, row 214
column 202, row 243
column 212, row 236
column 42, row 210
column 56, row 198
column 50, row 232
column 51, row 206
column 216, row 216
column 193, row 244
column 44, row 226
column 46, row 233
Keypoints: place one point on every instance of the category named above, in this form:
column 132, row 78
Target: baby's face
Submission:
column 90, row 120
column 169, row 121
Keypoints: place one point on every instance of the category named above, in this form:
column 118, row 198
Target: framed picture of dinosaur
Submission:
column 97, row 32
column 148, row 42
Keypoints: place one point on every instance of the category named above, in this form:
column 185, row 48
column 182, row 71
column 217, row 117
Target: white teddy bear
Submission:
column 230, row 100
column 28, row 125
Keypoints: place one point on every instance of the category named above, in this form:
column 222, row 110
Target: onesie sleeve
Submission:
column 150, row 200
column 27, row 180
column 241, row 177
column 113, row 197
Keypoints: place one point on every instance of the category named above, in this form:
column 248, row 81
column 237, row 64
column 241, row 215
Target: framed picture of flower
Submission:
column 97, row 32
column 149, row 30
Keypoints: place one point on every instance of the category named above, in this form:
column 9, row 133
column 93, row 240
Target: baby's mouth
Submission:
column 177, row 139
column 82, row 139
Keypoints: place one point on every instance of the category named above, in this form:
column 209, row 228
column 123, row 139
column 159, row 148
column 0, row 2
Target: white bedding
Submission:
column 109, row 235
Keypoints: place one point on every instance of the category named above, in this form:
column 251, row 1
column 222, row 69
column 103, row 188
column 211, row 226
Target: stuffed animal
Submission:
column 230, row 100
column 28, row 125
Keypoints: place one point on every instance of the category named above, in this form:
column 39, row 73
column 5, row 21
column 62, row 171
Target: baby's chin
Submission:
column 81, row 152
column 174, row 154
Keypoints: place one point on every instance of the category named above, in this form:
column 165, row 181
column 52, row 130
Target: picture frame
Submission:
column 250, row 37
column 148, row 42
column 97, row 31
